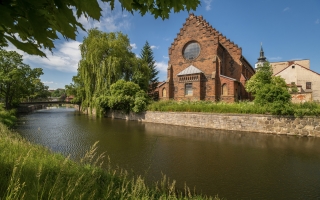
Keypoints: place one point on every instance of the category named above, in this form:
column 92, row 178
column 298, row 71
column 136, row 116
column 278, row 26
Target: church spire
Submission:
column 262, row 59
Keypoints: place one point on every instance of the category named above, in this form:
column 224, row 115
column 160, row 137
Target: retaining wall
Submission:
column 306, row 126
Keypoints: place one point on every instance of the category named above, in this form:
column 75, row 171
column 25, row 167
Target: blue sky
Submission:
column 288, row 29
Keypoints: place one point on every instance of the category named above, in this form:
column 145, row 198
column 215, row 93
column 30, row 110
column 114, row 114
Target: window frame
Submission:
column 187, row 89
column 186, row 47
column 222, row 87
column 308, row 85
column 164, row 92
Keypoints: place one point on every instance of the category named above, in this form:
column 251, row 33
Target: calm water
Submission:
column 234, row 165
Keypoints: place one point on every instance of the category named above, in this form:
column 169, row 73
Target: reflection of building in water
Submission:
column 205, row 65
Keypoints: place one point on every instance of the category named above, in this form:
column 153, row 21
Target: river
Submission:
column 234, row 165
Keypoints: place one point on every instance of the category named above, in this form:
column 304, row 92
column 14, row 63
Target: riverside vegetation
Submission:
column 272, row 96
column 245, row 107
column 29, row 171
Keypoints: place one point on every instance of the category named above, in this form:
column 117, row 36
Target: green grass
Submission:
column 29, row 171
column 299, row 110
column 7, row 117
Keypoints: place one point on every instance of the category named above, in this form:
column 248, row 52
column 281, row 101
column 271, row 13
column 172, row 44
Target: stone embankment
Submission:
column 284, row 125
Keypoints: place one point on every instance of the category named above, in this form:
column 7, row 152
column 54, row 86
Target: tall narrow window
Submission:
column 164, row 92
column 224, row 89
column 188, row 89
column 308, row 85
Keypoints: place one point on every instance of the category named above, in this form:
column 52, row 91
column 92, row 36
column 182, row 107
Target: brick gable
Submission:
column 220, row 61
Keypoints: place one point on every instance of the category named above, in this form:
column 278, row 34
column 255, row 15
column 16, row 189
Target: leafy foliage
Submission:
column 18, row 80
column 268, row 89
column 31, row 25
column 277, row 108
column 77, row 89
column 106, row 58
column 261, row 78
column 207, row 106
column 7, row 117
column 126, row 96
column 147, row 56
column 58, row 93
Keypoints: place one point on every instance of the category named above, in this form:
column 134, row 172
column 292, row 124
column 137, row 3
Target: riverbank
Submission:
column 272, row 124
column 30, row 171
column 29, row 108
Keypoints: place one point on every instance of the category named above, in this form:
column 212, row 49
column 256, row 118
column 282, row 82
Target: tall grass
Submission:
column 29, row 171
column 206, row 106
column 7, row 117
column 303, row 109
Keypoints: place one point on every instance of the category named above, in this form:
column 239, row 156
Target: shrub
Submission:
column 7, row 117
column 275, row 108
column 126, row 96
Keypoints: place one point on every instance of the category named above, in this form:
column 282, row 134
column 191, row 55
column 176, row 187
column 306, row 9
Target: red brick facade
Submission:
column 220, row 70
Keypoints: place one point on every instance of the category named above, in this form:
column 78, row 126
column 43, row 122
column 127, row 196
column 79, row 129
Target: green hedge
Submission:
column 298, row 110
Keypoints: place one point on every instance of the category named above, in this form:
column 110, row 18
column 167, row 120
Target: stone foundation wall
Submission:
column 306, row 126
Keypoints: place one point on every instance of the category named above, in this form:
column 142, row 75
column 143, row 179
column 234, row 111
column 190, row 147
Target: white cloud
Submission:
column 286, row 9
column 111, row 20
column 275, row 58
column 133, row 46
column 165, row 57
column 65, row 57
column 47, row 82
column 161, row 66
column 208, row 4
column 154, row 47
column 317, row 21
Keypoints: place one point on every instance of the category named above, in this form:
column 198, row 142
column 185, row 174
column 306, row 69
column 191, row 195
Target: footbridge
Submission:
column 45, row 103
column 26, row 107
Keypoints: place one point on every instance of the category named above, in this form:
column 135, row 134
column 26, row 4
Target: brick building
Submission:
column 205, row 65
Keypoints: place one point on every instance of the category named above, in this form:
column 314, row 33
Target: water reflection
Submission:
column 232, row 164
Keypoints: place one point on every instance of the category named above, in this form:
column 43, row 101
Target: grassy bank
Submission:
column 304, row 109
column 7, row 117
column 29, row 171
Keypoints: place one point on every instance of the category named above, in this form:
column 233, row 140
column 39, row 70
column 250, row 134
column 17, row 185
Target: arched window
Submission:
column 224, row 90
column 164, row 92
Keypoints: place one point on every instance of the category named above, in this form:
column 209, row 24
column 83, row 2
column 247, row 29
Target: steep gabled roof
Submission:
column 190, row 70
column 298, row 65
column 229, row 78
column 161, row 83
column 208, row 30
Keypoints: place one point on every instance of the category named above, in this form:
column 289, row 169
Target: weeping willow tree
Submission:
column 106, row 58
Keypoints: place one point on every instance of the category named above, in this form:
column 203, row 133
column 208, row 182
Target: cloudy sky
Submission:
column 288, row 29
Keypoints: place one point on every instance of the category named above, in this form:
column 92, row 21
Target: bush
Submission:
column 7, row 117
column 268, row 89
column 126, row 96
column 275, row 108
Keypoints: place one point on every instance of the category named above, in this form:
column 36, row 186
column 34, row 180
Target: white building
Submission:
column 298, row 72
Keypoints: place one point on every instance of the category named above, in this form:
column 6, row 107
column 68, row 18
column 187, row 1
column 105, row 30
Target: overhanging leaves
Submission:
column 38, row 22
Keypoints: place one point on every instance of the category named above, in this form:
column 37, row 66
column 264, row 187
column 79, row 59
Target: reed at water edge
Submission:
column 29, row 171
